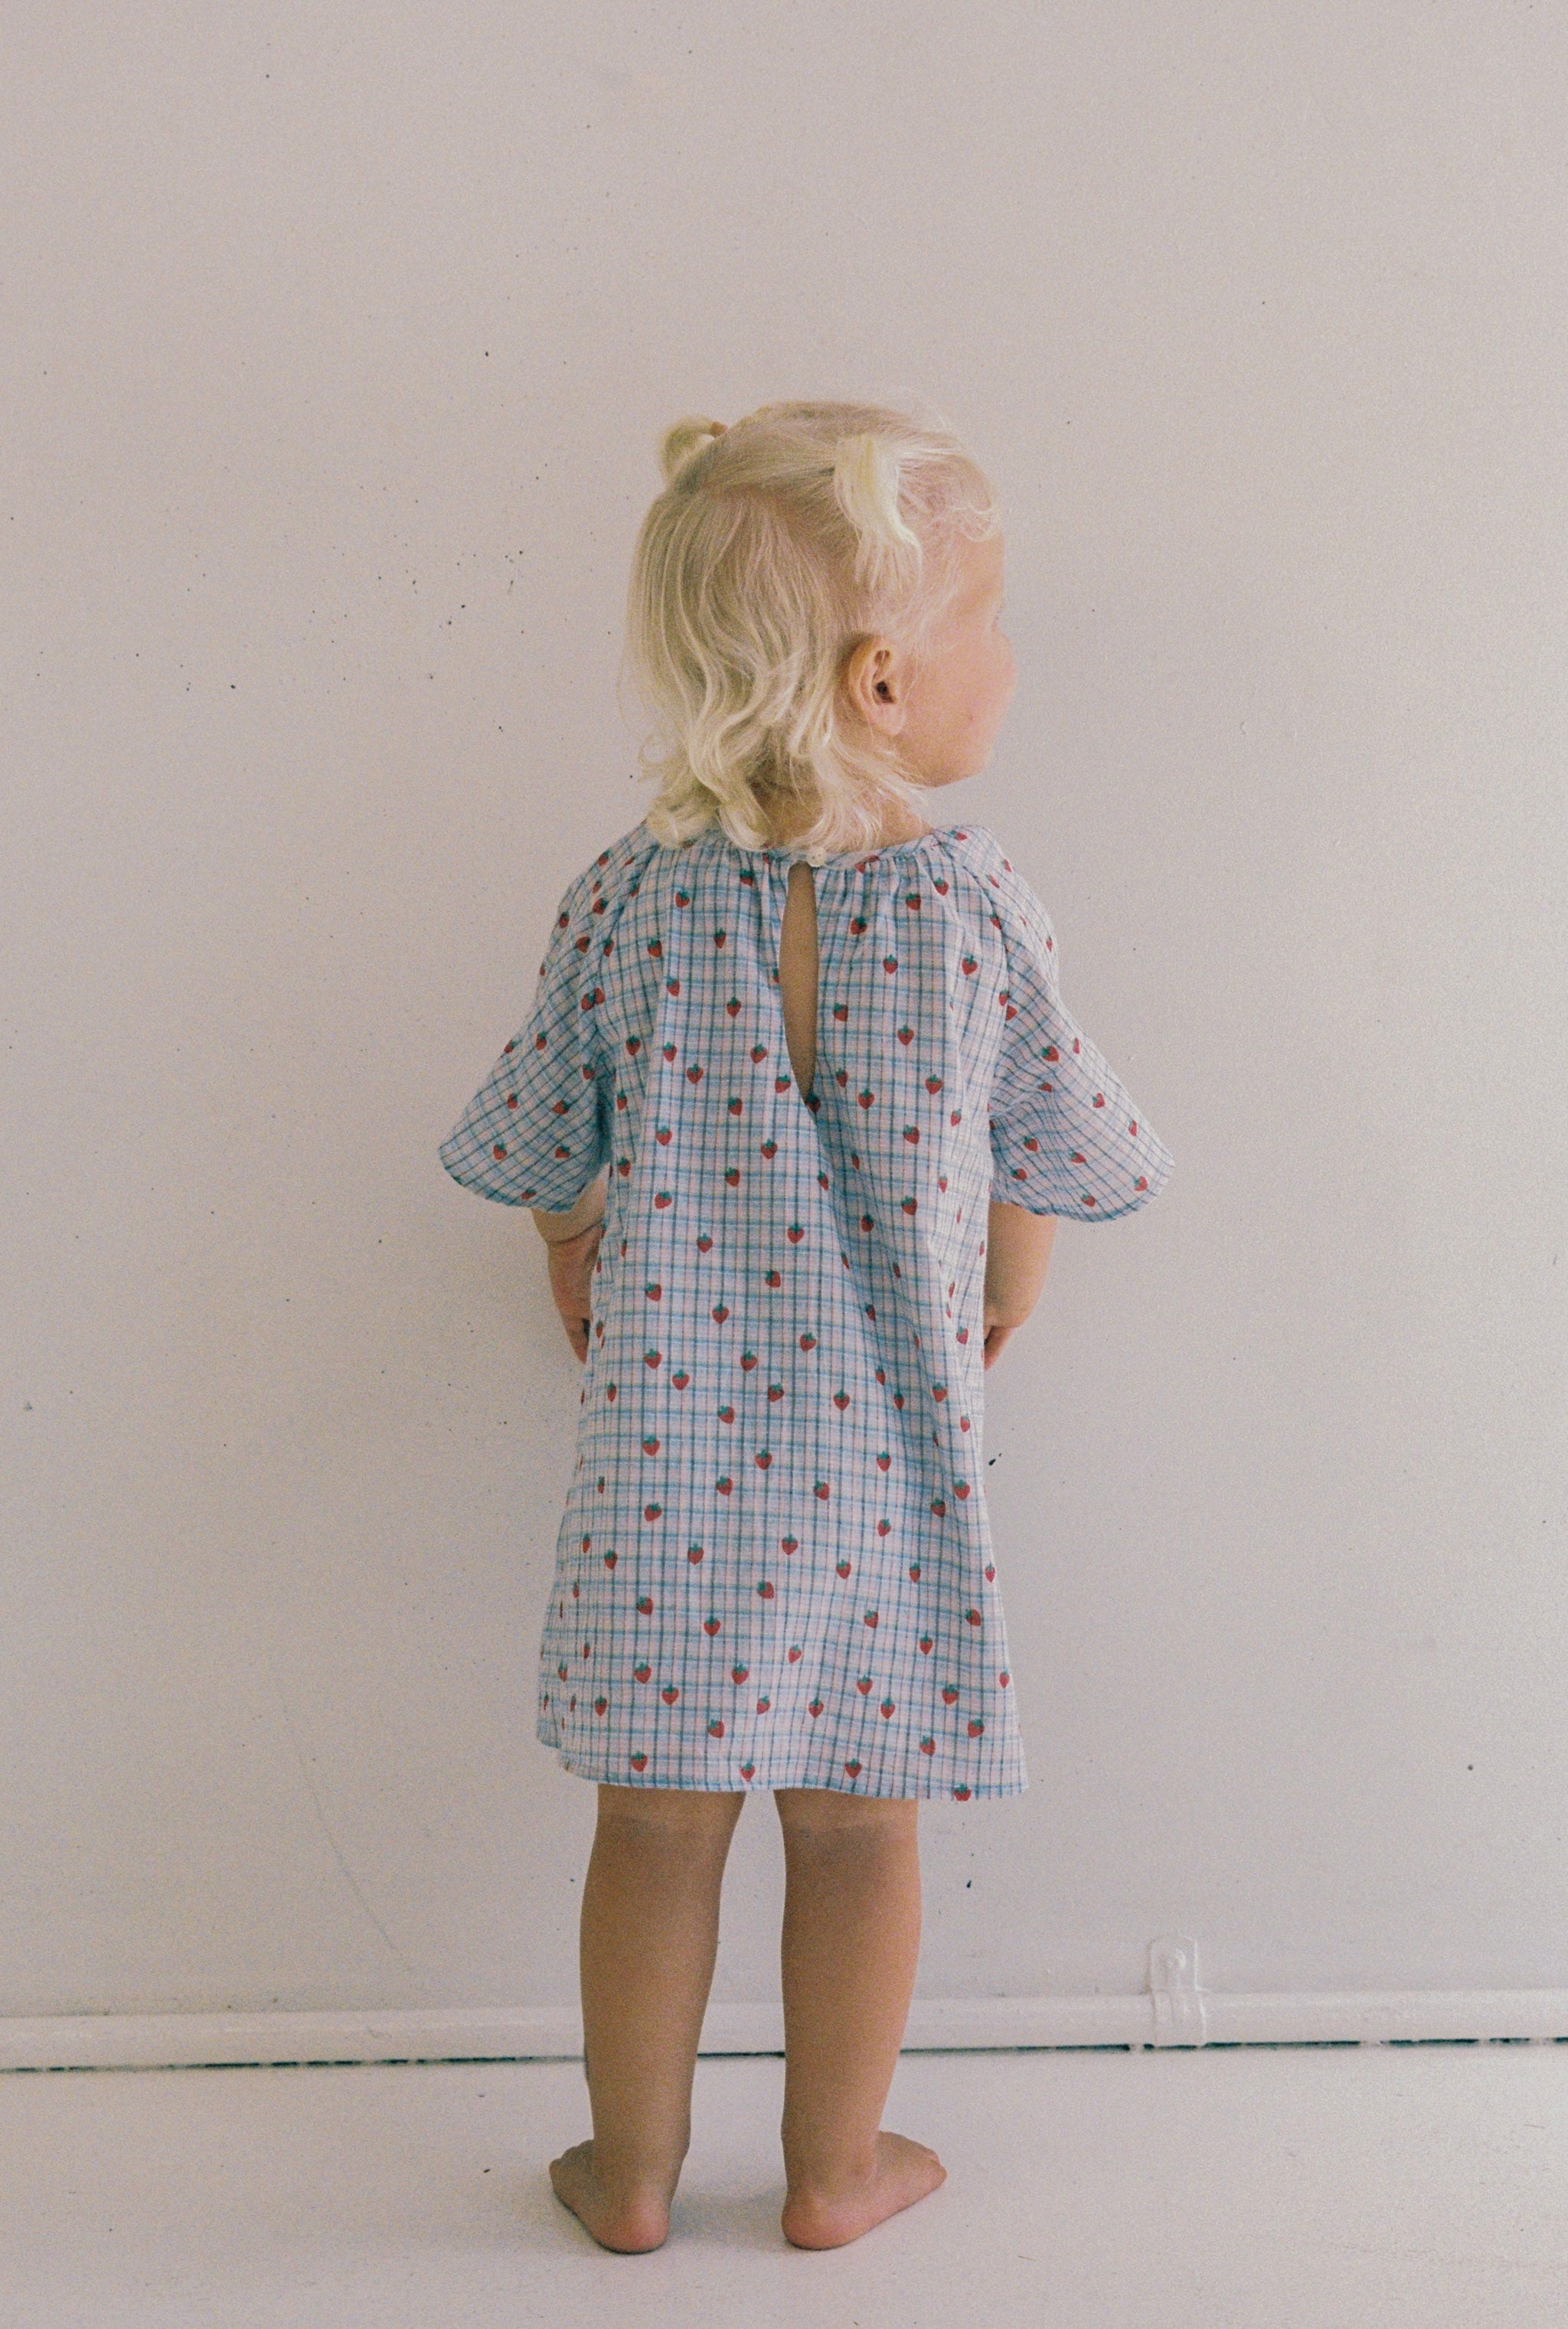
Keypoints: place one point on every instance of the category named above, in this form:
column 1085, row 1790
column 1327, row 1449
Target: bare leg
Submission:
column 648, row 1937
column 851, row 1939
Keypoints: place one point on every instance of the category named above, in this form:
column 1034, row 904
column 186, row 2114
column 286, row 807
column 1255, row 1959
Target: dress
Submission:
column 775, row 1568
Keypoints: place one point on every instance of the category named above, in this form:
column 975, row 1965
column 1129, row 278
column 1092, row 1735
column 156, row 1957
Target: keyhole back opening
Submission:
column 798, row 967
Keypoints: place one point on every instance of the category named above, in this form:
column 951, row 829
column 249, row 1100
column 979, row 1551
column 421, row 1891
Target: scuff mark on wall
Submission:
column 349, row 1878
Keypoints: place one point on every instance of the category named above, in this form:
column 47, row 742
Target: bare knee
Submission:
column 827, row 1819
column 684, row 1818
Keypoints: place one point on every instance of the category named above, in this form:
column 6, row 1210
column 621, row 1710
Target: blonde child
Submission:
column 820, row 1046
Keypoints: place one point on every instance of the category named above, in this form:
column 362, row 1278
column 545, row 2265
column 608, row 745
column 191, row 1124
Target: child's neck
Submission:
column 900, row 826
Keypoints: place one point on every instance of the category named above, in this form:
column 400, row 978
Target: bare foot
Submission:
column 904, row 2172
column 629, row 2222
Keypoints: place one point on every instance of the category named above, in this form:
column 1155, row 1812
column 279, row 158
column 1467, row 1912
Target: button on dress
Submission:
column 775, row 1565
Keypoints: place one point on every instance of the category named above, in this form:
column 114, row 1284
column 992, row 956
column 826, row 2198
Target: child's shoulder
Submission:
column 978, row 848
column 610, row 878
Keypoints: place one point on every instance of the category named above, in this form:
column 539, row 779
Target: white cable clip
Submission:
column 1178, row 2015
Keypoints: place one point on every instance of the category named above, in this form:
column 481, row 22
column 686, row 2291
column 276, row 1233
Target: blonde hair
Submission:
column 778, row 545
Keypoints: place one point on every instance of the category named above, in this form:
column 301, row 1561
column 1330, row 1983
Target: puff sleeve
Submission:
column 538, row 1129
column 1066, row 1137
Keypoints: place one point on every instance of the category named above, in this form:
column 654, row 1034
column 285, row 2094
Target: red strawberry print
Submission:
column 674, row 951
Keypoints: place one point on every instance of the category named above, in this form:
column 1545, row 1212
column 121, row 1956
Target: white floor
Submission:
column 1242, row 2188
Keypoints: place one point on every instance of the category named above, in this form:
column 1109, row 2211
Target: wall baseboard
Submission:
column 125, row 2042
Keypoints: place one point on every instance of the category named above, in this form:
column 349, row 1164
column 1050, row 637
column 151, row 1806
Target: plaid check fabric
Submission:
column 775, row 1566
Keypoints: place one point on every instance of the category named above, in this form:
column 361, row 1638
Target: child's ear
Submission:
column 873, row 683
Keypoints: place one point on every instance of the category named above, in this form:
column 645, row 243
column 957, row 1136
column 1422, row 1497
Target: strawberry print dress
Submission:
column 775, row 1566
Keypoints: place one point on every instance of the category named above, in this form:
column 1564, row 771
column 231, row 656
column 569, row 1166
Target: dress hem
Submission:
column 762, row 1781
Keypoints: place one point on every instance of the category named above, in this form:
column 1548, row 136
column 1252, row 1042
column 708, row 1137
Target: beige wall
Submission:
column 336, row 343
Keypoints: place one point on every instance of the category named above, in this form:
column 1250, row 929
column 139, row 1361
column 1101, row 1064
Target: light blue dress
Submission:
column 775, row 1566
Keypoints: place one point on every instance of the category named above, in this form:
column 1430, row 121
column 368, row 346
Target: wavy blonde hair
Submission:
column 777, row 546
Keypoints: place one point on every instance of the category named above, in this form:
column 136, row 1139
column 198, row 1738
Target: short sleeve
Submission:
column 1066, row 1136
column 537, row 1129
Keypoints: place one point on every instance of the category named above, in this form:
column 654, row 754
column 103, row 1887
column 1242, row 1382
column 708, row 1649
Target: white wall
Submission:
column 337, row 342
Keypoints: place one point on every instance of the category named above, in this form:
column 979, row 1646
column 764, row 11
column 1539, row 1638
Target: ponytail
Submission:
column 866, row 481
column 683, row 440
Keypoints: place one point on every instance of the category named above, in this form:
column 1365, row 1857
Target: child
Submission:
column 820, row 1227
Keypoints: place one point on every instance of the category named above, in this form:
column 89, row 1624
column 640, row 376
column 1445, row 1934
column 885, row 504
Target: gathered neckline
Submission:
column 860, row 857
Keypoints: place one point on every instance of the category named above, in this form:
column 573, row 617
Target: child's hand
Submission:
column 571, row 1261
column 1017, row 1253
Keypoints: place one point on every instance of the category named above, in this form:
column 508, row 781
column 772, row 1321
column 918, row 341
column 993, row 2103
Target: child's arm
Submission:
column 1018, row 1252
column 574, row 1242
